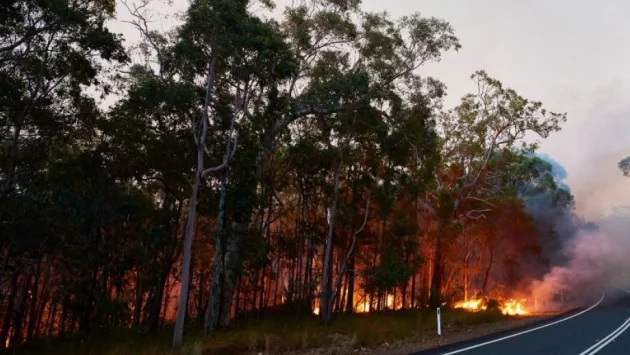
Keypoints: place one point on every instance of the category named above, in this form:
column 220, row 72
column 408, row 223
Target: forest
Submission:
column 256, row 160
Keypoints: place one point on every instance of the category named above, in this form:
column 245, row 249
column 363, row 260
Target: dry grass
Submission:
column 270, row 336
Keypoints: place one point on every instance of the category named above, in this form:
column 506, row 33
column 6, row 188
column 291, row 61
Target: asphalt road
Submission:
column 601, row 328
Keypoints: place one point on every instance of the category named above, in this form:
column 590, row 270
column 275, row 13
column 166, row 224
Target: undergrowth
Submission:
column 266, row 336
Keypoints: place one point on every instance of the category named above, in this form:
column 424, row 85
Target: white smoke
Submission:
column 597, row 261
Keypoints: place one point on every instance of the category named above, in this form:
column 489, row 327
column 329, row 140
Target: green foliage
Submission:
column 390, row 273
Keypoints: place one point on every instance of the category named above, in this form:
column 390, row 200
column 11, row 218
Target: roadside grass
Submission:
column 268, row 336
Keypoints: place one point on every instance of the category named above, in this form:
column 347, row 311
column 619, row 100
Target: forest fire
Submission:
column 473, row 305
column 510, row 307
column 362, row 304
column 514, row 308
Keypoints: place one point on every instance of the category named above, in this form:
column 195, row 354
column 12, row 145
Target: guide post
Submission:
column 439, row 325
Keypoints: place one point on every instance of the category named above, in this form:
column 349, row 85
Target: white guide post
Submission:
column 439, row 322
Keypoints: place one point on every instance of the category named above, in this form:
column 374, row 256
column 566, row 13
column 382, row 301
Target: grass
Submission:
column 267, row 336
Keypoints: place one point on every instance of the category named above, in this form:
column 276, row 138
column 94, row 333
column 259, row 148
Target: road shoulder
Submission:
column 471, row 335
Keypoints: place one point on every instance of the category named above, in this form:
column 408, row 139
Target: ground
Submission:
column 395, row 333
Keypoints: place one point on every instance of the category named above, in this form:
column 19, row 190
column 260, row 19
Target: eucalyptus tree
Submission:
column 493, row 120
column 49, row 51
column 350, row 63
column 243, row 59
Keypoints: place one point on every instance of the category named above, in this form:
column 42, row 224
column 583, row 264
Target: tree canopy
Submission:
column 252, row 163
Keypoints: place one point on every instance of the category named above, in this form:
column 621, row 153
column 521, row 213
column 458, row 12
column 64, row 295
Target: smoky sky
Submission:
column 568, row 54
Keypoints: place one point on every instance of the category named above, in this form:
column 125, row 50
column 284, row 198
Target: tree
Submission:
column 624, row 166
column 493, row 120
column 243, row 47
column 255, row 167
column 48, row 51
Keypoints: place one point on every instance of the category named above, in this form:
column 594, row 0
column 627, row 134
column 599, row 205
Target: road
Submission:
column 601, row 328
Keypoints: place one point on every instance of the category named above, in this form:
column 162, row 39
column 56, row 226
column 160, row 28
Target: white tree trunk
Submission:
column 192, row 208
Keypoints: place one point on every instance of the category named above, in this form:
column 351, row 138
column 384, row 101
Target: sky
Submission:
column 570, row 55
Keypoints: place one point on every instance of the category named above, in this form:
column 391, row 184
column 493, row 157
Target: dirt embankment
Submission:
column 451, row 333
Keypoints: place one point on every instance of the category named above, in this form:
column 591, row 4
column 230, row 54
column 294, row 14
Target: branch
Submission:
column 28, row 35
column 481, row 214
column 275, row 195
column 229, row 153
column 280, row 125
column 226, row 160
column 481, row 200
column 486, row 160
column 141, row 24
column 429, row 208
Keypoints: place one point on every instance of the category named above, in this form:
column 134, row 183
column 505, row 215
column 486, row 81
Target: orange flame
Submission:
column 390, row 301
column 511, row 307
column 474, row 305
column 514, row 308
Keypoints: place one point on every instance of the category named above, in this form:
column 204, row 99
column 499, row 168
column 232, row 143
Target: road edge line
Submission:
column 527, row 331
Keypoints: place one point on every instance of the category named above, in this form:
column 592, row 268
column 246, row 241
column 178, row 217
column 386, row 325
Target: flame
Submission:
column 363, row 307
column 474, row 305
column 390, row 301
column 316, row 311
column 514, row 308
column 510, row 307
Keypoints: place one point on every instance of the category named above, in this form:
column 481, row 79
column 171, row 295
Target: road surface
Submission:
column 601, row 328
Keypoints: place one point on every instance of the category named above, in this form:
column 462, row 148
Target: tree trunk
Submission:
column 52, row 315
column 13, row 157
column 436, row 281
column 350, row 282
column 308, row 274
column 403, row 294
column 183, row 292
column 277, row 284
column 215, row 310
column 156, row 306
column 6, row 324
column 20, row 310
column 192, row 210
column 325, row 310
column 212, row 312
column 485, row 279
column 261, row 288
column 33, row 314
column 232, row 258
column 63, row 320
column 137, row 307
column 340, row 292
column 413, row 290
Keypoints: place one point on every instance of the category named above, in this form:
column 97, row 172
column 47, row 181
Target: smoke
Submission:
column 583, row 258
column 557, row 171
column 595, row 261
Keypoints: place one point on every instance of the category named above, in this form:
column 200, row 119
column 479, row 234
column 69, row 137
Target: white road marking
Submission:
column 610, row 337
column 623, row 289
column 599, row 345
column 527, row 331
